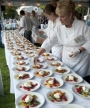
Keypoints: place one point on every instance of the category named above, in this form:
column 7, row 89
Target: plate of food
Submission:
column 56, row 63
column 39, row 66
column 52, row 82
column 59, row 96
column 40, row 59
column 51, row 58
column 21, row 62
column 20, row 57
column 15, row 53
column 27, row 48
column 30, row 100
column 62, row 70
column 46, row 54
column 28, row 85
column 10, row 48
column 82, row 90
column 43, row 73
column 32, row 55
column 29, row 52
column 23, row 76
column 72, row 78
column 72, row 106
column 21, row 68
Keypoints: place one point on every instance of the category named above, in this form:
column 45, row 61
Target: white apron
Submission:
column 73, row 38
column 57, row 48
column 79, row 63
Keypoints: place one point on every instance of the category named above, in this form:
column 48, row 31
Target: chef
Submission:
column 74, row 35
column 49, row 12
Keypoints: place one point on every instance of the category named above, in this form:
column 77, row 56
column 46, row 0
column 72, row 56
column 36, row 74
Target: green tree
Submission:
column 81, row 9
column 10, row 12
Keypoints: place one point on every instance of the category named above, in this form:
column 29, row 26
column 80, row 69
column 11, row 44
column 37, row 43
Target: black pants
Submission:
column 27, row 35
column 87, row 79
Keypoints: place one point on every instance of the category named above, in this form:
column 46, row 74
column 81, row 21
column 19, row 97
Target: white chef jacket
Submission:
column 72, row 39
column 57, row 48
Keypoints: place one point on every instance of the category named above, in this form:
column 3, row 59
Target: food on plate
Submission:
column 83, row 90
column 10, row 48
column 16, row 52
column 21, row 63
column 28, row 86
column 27, row 48
column 22, row 76
column 55, row 64
column 50, row 58
column 20, row 58
column 60, row 70
column 19, row 68
column 29, row 52
column 40, row 60
column 21, row 46
column 29, row 100
column 45, row 54
column 52, row 82
column 71, row 78
column 37, row 66
column 57, row 96
column 42, row 73
column 31, row 55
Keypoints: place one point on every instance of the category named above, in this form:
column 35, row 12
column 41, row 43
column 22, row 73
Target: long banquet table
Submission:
column 10, row 59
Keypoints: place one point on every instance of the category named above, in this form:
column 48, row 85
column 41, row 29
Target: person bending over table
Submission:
column 74, row 36
column 49, row 12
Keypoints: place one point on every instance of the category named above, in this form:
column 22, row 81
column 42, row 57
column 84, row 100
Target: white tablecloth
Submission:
column 13, row 82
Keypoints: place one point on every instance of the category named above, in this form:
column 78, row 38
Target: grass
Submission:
column 7, row 100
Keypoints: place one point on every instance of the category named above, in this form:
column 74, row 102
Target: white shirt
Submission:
column 71, row 39
column 26, row 22
column 57, row 48
column 35, row 21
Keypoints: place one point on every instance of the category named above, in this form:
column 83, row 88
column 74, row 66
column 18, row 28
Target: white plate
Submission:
column 68, row 95
column 27, row 69
column 45, row 54
column 74, row 90
column 30, row 75
column 40, row 98
column 41, row 59
column 26, row 63
column 20, row 59
column 25, row 81
column 68, row 70
column 17, row 53
column 51, row 57
column 43, row 67
column 80, row 79
column 61, row 64
column 72, row 106
column 43, row 70
column 58, row 79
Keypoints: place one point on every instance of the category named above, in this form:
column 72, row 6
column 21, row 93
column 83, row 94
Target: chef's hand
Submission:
column 73, row 54
column 35, row 58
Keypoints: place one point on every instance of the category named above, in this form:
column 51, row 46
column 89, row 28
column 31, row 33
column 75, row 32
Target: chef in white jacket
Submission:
column 49, row 12
column 74, row 35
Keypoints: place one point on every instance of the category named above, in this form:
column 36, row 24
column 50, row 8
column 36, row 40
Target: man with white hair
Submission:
column 27, row 14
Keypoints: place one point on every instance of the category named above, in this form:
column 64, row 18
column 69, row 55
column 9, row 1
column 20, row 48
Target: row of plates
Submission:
column 79, row 79
column 43, row 83
column 41, row 99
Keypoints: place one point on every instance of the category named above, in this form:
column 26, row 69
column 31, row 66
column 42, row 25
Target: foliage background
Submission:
column 10, row 12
